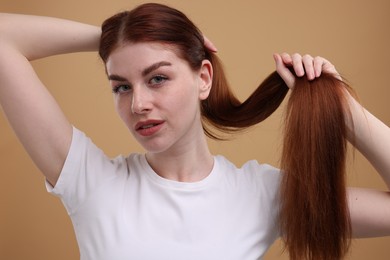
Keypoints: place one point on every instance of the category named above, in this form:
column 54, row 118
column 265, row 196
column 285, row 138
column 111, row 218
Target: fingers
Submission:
column 318, row 63
column 282, row 63
column 306, row 65
column 209, row 45
column 330, row 68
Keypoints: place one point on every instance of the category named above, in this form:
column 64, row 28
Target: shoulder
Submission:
column 252, row 167
column 252, row 173
column 83, row 151
column 254, row 185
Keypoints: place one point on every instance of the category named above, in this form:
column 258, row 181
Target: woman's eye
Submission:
column 157, row 80
column 121, row 89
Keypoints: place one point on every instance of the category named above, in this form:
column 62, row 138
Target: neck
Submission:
column 190, row 164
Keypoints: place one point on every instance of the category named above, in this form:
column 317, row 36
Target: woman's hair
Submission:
column 314, row 216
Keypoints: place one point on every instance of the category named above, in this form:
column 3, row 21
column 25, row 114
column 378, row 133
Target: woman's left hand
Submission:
column 301, row 65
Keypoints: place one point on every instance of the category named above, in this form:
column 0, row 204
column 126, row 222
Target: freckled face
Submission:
column 156, row 95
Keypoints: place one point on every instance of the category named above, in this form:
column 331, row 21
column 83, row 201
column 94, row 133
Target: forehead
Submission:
column 136, row 56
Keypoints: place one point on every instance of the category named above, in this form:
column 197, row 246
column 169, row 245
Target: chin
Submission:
column 154, row 147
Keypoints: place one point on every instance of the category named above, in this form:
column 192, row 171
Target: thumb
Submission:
column 283, row 71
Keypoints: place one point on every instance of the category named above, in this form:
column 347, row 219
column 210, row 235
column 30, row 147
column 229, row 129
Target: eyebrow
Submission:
column 155, row 66
column 145, row 72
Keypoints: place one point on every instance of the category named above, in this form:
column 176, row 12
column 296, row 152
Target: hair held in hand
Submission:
column 314, row 217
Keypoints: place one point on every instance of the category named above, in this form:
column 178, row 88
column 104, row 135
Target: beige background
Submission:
column 354, row 35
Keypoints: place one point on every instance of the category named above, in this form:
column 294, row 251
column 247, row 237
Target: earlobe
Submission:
column 205, row 79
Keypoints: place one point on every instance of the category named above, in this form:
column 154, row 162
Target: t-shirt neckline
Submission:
column 205, row 182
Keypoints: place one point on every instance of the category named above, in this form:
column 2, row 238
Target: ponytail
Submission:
column 314, row 216
column 314, row 213
column 223, row 111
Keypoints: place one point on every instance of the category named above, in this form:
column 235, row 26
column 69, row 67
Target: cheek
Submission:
column 187, row 100
column 122, row 108
column 182, row 98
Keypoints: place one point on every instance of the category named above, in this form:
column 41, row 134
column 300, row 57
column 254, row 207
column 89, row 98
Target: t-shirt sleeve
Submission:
column 85, row 170
column 267, row 182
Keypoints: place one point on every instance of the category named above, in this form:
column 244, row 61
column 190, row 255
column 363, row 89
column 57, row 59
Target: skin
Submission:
column 157, row 96
column 46, row 133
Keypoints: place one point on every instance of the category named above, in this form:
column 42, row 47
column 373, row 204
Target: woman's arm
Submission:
column 370, row 209
column 371, row 137
column 33, row 113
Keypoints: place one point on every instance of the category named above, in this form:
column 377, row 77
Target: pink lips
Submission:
column 149, row 127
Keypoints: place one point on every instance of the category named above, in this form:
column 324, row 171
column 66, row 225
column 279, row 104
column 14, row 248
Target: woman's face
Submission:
column 157, row 95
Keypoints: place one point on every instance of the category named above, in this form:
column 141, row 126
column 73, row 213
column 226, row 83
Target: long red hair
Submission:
column 314, row 216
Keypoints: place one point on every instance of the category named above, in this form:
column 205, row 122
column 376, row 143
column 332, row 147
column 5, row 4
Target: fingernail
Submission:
column 275, row 57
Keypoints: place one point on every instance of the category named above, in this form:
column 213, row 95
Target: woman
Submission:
column 178, row 201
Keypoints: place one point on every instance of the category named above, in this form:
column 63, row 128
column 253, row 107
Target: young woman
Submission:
column 177, row 201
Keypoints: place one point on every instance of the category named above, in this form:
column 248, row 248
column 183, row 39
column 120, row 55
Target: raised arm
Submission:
column 371, row 138
column 370, row 209
column 32, row 112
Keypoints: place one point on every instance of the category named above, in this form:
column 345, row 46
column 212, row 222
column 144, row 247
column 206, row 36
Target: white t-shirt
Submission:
column 121, row 209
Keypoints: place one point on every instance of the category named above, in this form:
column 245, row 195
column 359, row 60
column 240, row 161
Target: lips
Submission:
column 149, row 127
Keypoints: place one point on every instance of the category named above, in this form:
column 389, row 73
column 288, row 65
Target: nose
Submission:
column 141, row 101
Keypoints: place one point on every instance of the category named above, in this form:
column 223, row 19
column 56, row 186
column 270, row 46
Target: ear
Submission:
column 205, row 79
